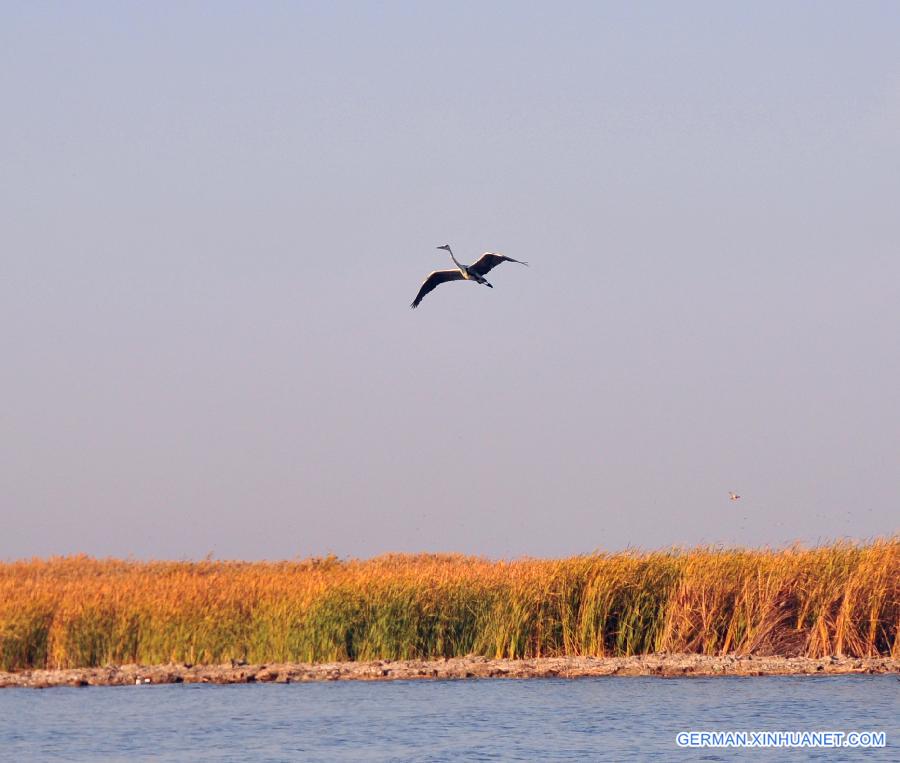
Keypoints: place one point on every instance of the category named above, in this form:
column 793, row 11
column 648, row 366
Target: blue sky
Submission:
column 215, row 216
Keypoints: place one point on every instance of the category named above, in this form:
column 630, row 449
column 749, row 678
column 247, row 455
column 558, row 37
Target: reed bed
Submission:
column 78, row 611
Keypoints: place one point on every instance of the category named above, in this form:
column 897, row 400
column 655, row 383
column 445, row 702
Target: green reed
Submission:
column 78, row 611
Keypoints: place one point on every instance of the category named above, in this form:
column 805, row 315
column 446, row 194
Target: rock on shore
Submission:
column 663, row 665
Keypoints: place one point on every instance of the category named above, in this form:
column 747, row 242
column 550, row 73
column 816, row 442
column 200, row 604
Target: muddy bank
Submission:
column 668, row 665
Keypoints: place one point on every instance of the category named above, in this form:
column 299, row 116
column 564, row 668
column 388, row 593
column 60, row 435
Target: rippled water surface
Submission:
column 582, row 719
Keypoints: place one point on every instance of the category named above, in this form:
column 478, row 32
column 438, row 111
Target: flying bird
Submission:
column 733, row 496
column 474, row 272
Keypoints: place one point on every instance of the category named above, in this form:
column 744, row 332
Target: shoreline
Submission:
column 658, row 665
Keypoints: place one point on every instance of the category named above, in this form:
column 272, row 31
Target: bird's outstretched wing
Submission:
column 490, row 260
column 435, row 279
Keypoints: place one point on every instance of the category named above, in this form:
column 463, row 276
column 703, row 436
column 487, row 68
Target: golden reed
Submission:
column 80, row 612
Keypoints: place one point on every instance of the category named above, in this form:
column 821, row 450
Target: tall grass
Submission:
column 79, row 611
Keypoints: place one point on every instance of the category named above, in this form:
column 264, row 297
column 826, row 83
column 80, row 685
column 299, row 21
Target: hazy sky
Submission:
column 214, row 216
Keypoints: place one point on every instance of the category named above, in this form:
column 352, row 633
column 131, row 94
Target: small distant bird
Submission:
column 733, row 496
column 474, row 272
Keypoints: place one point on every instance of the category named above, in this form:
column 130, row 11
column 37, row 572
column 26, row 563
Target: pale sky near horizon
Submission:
column 214, row 216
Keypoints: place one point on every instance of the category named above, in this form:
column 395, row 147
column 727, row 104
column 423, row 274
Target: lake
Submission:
column 539, row 719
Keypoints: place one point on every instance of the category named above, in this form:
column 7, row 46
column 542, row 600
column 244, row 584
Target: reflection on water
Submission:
column 582, row 719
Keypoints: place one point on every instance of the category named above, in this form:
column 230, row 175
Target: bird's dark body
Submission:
column 473, row 276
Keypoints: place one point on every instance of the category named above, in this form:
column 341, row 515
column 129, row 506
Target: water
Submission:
column 540, row 719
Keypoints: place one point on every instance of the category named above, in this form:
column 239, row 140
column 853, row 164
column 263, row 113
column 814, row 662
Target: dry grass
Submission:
column 81, row 612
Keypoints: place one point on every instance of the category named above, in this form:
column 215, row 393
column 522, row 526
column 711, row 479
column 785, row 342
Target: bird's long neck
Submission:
column 455, row 261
